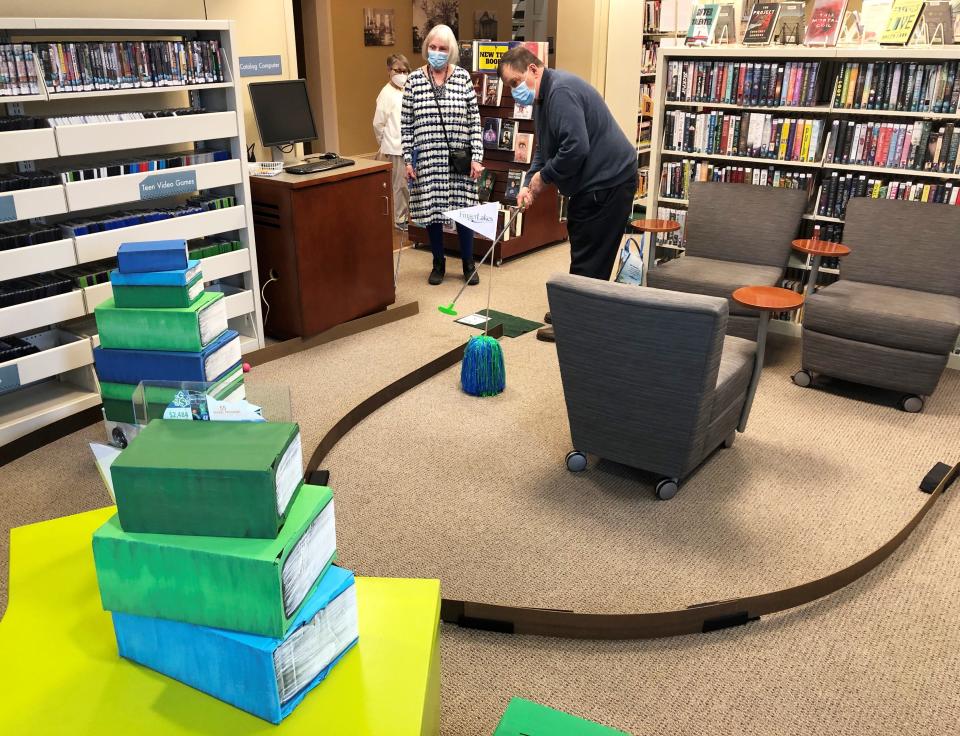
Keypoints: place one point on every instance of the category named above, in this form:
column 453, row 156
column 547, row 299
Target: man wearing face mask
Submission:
column 580, row 149
column 386, row 127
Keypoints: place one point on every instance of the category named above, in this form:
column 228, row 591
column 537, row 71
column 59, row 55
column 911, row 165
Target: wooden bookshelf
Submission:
column 832, row 60
column 59, row 380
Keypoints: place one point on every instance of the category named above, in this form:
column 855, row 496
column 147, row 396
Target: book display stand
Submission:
column 57, row 380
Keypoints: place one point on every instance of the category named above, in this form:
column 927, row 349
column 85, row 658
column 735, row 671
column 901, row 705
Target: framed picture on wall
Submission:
column 430, row 13
column 378, row 27
column 485, row 24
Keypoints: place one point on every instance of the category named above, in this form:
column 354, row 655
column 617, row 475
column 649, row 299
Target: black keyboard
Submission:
column 324, row 164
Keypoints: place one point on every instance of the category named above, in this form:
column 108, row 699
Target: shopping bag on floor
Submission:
column 630, row 266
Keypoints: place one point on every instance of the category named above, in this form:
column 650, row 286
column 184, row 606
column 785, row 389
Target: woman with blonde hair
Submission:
column 440, row 128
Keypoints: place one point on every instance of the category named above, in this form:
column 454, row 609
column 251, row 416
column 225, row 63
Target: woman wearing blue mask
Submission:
column 442, row 149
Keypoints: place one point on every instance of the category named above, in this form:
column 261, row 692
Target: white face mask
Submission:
column 399, row 80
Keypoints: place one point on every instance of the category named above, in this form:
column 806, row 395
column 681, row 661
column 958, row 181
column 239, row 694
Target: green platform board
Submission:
column 526, row 718
column 513, row 326
column 63, row 675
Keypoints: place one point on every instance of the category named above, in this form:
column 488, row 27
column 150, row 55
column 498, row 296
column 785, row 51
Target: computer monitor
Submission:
column 282, row 110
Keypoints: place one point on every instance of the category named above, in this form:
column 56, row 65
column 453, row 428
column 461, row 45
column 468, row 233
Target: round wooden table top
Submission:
column 768, row 298
column 821, row 247
column 656, row 226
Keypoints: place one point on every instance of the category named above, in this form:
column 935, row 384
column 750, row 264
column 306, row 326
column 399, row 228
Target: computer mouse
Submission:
column 328, row 156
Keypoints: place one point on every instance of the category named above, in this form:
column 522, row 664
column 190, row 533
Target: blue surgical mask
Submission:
column 438, row 59
column 522, row 93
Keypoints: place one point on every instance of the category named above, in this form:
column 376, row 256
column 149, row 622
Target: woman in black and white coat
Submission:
column 436, row 96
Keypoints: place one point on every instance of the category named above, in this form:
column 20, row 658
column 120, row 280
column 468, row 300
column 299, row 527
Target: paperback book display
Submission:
column 789, row 26
column 901, row 22
column 826, row 19
column 874, row 15
column 770, row 84
column 763, row 20
column 676, row 176
column 703, row 21
column 752, row 134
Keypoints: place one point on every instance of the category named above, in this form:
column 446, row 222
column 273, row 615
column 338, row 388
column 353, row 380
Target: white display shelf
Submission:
column 248, row 344
column 674, row 201
column 95, row 295
column 238, row 304
column 896, row 113
column 17, row 24
column 60, row 351
column 73, row 140
column 889, row 170
column 97, row 246
column 27, row 145
column 35, row 407
column 755, row 52
column 130, row 24
column 225, row 264
column 23, row 98
column 39, row 201
column 822, row 218
column 36, row 259
column 751, row 108
column 134, row 91
column 85, row 195
column 743, row 159
column 41, row 312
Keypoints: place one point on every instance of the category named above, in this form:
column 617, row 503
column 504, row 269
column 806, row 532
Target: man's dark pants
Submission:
column 595, row 223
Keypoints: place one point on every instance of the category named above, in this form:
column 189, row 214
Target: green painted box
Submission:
column 186, row 329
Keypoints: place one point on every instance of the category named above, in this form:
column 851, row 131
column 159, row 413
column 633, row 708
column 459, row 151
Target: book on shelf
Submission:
column 492, row 90
column 789, row 26
column 523, row 148
column 485, row 185
column 825, row 22
column 18, row 70
column 922, row 145
column 491, row 132
column 265, row 676
column 840, row 186
column 33, row 287
column 760, row 27
column 672, row 242
column 936, row 22
column 466, row 55
column 703, row 21
column 189, row 329
column 260, row 584
column 751, row 134
column 725, row 30
column 955, row 11
column 675, row 176
column 900, row 86
column 651, row 15
column 902, row 20
column 769, row 84
column 133, row 366
column 514, row 182
column 479, row 81
column 508, row 133
column 209, row 478
column 522, row 112
column 874, row 15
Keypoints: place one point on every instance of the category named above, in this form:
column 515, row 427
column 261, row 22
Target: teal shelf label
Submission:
column 8, row 208
column 168, row 184
column 9, row 378
column 261, row 66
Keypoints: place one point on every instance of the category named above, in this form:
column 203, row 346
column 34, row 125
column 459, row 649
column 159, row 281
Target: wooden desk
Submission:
column 327, row 238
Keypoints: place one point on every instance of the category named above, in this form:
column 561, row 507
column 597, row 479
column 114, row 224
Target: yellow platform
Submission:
column 61, row 673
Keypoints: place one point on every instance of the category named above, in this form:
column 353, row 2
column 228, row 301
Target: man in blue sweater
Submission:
column 580, row 149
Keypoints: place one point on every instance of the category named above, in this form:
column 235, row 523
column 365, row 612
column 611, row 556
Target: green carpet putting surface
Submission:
column 513, row 326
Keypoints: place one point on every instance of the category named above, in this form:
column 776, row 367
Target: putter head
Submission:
column 448, row 310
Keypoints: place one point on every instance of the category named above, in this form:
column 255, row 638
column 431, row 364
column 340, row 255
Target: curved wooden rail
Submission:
column 695, row 619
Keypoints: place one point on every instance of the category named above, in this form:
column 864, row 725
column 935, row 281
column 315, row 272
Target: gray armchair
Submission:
column 736, row 235
column 893, row 318
column 649, row 377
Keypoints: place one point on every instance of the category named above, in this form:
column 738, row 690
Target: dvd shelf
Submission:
column 75, row 184
column 840, row 122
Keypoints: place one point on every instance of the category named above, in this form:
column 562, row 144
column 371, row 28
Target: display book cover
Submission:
column 133, row 366
column 789, row 26
column 214, row 479
column 179, row 288
column 265, row 676
column 526, row 718
column 703, row 20
column 901, row 22
column 874, row 15
column 938, row 21
column 256, row 586
column 725, row 29
column 183, row 329
column 152, row 255
column 826, row 18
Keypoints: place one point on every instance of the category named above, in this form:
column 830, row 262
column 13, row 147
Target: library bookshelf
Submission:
column 662, row 201
column 47, row 386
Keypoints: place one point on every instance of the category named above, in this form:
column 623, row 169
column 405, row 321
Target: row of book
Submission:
column 24, row 233
column 675, row 177
column 12, row 348
column 15, row 181
column 758, row 135
column 838, row 188
column 29, row 288
column 488, row 178
column 128, row 218
column 115, row 117
column 773, row 84
column 22, row 122
column 648, row 57
column 503, row 135
column 481, row 55
column 18, row 70
column 675, row 239
column 90, row 66
column 143, row 164
column 898, row 85
column 918, row 145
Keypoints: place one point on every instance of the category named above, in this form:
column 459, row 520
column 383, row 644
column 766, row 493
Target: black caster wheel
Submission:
column 667, row 488
column 912, row 404
column 119, row 438
column 576, row 461
column 803, row 378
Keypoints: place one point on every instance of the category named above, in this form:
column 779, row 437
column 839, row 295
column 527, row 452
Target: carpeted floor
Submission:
column 474, row 491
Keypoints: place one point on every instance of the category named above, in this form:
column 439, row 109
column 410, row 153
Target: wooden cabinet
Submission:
column 327, row 241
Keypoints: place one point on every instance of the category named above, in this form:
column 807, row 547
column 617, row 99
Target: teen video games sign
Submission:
column 168, row 184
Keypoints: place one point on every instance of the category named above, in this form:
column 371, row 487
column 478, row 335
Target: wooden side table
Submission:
column 818, row 249
column 765, row 299
column 653, row 227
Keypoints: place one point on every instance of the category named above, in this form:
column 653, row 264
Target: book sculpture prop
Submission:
column 217, row 567
column 482, row 372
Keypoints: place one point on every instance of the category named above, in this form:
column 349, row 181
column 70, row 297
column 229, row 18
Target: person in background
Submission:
column 386, row 126
column 440, row 114
column 580, row 149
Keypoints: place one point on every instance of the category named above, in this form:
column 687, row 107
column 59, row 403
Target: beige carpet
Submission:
column 474, row 491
